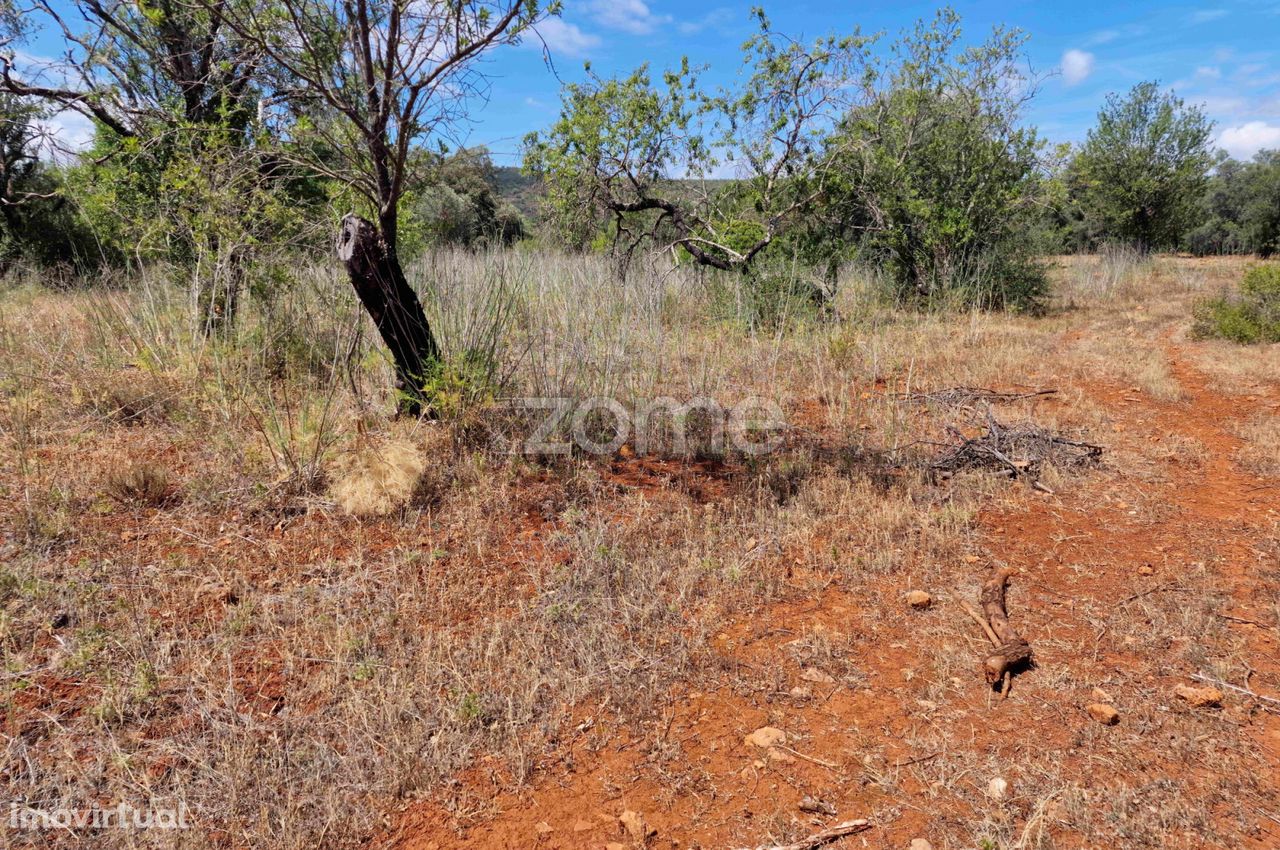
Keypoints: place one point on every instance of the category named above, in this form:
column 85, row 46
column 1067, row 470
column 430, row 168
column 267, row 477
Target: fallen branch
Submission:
column 829, row 834
column 812, row 759
column 1160, row 588
column 1013, row 651
column 981, row 621
column 918, row 759
column 967, row 396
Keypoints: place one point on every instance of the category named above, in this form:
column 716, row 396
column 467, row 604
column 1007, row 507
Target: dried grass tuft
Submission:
column 146, row 484
column 378, row 477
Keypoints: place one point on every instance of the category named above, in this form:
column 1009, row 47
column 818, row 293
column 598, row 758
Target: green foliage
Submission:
column 629, row 157
column 919, row 160
column 643, row 130
column 461, row 206
column 941, row 176
column 204, row 200
column 38, row 226
column 1144, row 168
column 768, row 296
column 458, row 385
column 1240, row 212
column 1251, row 317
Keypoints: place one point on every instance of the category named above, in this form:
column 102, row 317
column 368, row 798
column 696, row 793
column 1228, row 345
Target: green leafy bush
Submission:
column 1251, row 317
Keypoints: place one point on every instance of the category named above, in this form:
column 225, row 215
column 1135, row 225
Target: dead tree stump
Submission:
column 378, row 280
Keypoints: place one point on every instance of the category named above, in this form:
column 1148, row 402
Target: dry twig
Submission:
column 829, row 834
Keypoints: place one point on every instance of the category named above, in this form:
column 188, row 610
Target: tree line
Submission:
column 226, row 133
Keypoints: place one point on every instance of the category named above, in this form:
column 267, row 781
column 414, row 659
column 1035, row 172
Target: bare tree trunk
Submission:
column 397, row 313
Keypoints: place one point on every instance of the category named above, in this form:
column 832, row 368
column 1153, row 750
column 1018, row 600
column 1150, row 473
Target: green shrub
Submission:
column 1251, row 317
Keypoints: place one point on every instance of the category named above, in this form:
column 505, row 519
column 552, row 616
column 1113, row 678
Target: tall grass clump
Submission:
column 1252, row 316
column 1113, row 273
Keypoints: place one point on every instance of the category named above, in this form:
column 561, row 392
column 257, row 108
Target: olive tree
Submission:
column 172, row 92
column 916, row 156
column 939, row 172
column 1144, row 167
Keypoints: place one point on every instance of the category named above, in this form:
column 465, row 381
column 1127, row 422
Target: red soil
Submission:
column 1102, row 548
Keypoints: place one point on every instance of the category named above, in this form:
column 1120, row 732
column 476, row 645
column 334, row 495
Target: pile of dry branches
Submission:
column 1021, row 450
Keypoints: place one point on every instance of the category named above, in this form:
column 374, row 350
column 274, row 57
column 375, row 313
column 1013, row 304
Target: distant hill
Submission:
column 524, row 192
column 519, row 188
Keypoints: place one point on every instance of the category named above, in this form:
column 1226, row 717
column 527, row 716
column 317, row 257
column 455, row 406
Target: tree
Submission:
column 460, row 203
column 36, row 224
column 134, row 65
column 1144, row 167
column 632, row 158
column 1240, row 211
column 939, row 174
column 171, row 90
column 368, row 82
column 919, row 158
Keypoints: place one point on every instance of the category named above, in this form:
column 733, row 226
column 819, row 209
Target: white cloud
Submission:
column 66, row 134
column 715, row 19
column 1077, row 65
column 633, row 16
column 1222, row 105
column 1208, row 72
column 1244, row 141
column 564, row 38
column 1206, row 15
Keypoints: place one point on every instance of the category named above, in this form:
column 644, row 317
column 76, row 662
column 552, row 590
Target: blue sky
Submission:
column 1225, row 56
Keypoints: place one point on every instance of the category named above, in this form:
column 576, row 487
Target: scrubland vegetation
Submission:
column 259, row 562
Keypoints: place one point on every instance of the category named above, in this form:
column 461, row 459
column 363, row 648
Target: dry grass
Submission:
column 377, row 477
column 146, row 484
column 1261, row 451
column 291, row 673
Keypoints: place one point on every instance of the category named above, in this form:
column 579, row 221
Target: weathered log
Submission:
column 1013, row 652
column 376, row 276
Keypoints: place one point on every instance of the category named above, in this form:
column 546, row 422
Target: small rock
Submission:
column 1103, row 713
column 818, row 807
column 1099, row 695
column 613, row 845
column 800, row 693
column 635, row 825
column 1199, row 697
column 919, row 599
column 920, row 844
column 783, row 756
column 766, row 736
column 997, row 788
column 1146, row 570
column 583, row 826
column 813, row 674
column 543, row 828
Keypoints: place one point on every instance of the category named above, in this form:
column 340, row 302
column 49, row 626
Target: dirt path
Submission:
column 1128, row 585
